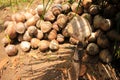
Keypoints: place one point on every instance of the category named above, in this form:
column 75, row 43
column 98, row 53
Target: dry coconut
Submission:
column 43, row 45
column 54, row 45
column 25, row 46
column 11, row 50
column 34, row 43
column 20, row 28
column 52, row 35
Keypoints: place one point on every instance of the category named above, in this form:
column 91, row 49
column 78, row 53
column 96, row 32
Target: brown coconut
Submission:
column 34, row 43
column 105, row 56
column 54, row 45
column 77, row 9
column 44, row 45
column 40, row 34
column 32, row 30
column 10, row 30
column 25, row 46
column 103, row 41
column 19, row 17
column 45, row 26
column 60, row 38
column 55, row 26
column 26, row 36
column 49, row 16
column 56, row 9
column 92, row 49
column 62, row 20
column 20, row 28
column 40, row 9
column 32, row 21
column 11, row 50
column 52, row 35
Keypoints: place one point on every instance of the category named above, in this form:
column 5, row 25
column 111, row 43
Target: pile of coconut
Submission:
column 46, row 28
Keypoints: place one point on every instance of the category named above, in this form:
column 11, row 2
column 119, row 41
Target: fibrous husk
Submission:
column 11, row 50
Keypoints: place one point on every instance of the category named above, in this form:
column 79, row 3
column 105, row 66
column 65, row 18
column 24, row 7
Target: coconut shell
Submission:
column 25, row 46
column 10, row 30
column 52, row 35
column 20, row 28
column 44, row 45
column 34, row 43
column 62, row 20
column 92, row 49
column 45, row 26
column 105, row 56
column 60, row 38
column 32, row 30
column 54, row 45
column 40, row 34
column 11, row 50
column 26, row 36
column 93, row 9
column 105, row 24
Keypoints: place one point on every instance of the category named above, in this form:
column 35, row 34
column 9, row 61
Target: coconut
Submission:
column 39, row 34
column 43, row 45
column 105, row 56
column 11, row 50
column 19, row 17
column 20, row 28
column 103, row 41
column 10, row 30
column 62, row 20
column 105, row 24
column 77, row 9
column 25, row 46
column 6, row 40
column 54, row 45
column 60, row 38
column 56, row 9
column 93, row 9
column 52, row 35
column 32, row 30
column 86, row 3
column 26, row 36
column 49, row 16
column 38, row 23
column 40, row 9
column 45, row 26
column 55, row 26
column 70, row 15
column 92, row 49
column 65, row 33
column 66, row 7
column 28, row 15
column 34, row 43
column 32, row 21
